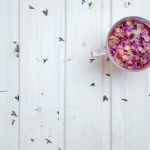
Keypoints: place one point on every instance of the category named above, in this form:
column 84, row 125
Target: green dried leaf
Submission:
column 92, row 59
column 17, row 50
column 90, row 4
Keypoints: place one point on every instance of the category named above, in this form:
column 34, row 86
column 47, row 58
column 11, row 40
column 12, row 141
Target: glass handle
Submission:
column 99, row 52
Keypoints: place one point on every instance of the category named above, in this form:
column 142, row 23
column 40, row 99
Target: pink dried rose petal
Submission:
column 129, row 45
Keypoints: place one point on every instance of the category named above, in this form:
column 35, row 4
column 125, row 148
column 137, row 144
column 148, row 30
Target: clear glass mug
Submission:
column 97, row 53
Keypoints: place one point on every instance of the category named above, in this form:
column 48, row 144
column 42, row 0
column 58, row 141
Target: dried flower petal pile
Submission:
column 129, row 44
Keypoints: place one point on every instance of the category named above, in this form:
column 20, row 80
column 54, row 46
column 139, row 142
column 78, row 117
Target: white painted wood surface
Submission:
column 57, row 108
column 9, row 79
column 42, row 62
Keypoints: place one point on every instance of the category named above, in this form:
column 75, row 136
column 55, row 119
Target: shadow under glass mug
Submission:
column 128, row 44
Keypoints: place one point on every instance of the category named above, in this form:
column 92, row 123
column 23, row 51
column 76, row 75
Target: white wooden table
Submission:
column 46, row 101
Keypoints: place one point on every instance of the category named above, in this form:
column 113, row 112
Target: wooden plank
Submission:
column 9, row 75
column 42, row 74
column 87, row 115
column 130, row 119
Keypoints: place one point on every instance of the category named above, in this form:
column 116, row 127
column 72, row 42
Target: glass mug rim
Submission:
column 144, row 21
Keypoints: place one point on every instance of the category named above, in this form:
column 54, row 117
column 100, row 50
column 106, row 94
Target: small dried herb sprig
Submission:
column 17, row 97
column 48, row 141
column 45, row 60
column 13, row 113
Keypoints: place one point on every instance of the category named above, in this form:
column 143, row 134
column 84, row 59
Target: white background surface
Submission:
column 56, row 100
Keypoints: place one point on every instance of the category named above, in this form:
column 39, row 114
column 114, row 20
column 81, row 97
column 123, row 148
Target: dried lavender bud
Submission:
column 13, row 121
column 31, row 7
column 92, row 59
column 13, row 113
column 83, row 1
column 90, row 4
column 92, row 84
column 48, row 141
column 108, row 59
column 45, row 12
column 107, row 74
column 32, row 140
column 45, row 60
column 105, row 98
column 127, row 4
column 17, row 97
column 124, row 99
column 61, row 39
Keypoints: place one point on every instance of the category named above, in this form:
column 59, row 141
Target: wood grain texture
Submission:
column 9, row 65
column 66, row 101
column 130, row 119
column 42, row 74
column 87, row 115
